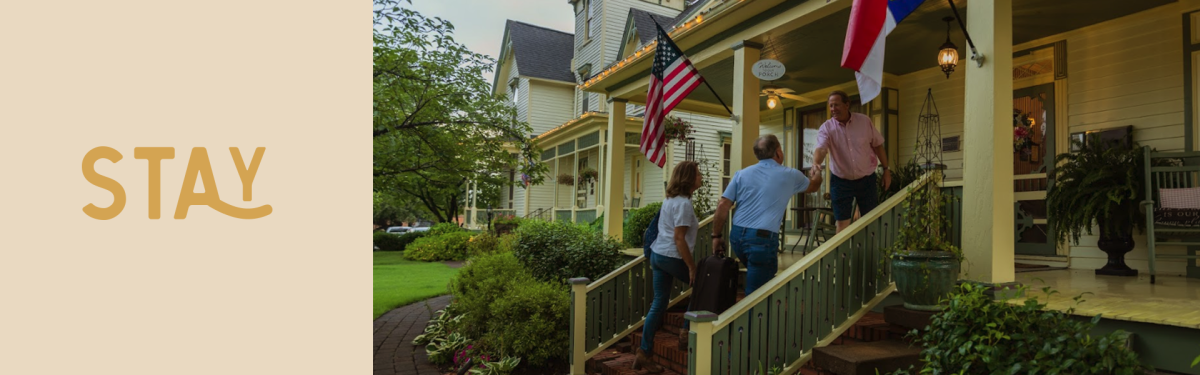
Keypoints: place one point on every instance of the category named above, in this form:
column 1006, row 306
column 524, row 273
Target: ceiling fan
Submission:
column 773, row 93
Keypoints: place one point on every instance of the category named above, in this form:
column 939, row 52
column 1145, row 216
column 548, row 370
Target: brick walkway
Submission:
column 394, row 333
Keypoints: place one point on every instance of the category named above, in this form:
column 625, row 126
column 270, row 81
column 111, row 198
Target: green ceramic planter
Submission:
column 924, row 277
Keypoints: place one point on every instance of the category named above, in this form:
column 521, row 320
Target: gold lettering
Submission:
column 198, row 164
column 154, row 156
column 247, row 174
column 118, row 192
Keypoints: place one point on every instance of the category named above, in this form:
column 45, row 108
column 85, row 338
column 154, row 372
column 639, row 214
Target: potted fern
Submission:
column 1099, row 185
column 925, row 264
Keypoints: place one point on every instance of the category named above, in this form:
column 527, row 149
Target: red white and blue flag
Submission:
column 870, row 23
column 671, row 79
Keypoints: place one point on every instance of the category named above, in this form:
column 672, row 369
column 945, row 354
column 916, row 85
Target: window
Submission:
column 583, row 105
column 512, row 181
column 726, row 151
column 587, row 23
column 515, row 93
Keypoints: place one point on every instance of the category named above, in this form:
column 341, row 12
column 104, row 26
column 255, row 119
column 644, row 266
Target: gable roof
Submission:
column 643, row 22
column 688, row 12
column 541, row 52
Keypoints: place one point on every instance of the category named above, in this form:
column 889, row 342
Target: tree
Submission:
column 436, row 124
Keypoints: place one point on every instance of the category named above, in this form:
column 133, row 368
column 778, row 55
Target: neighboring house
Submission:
column 540, row 69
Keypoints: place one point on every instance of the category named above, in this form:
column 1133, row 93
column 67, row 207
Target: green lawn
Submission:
column 399, row 281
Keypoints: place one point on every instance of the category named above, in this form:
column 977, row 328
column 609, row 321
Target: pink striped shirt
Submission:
column 851, row 146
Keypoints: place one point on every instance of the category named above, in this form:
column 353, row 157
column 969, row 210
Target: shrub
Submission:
column 637, row 222
column 479, row 283
column 531, row 321
column 506, row 243
column 408, row 238
column 443, row 228
column 977, row 335
column 483, row 244
column 431, row 248
column 387, row 241
column 556, row 251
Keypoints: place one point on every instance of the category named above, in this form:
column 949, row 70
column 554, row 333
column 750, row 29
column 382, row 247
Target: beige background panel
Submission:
column 288, row 293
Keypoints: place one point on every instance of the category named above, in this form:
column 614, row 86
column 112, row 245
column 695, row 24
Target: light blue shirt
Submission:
column 761, row 192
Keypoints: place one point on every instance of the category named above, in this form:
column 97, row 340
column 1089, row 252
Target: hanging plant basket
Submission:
column 588, row 177
column 677, row 129
column 566, row 179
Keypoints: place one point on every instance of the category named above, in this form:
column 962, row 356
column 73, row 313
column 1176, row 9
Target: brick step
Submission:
column 866, row 357
column 666, row 349
column 623, row 365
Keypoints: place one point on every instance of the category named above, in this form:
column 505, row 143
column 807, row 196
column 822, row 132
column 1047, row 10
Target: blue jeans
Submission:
column 845, row 192
column 666, row 269
column 757, row 253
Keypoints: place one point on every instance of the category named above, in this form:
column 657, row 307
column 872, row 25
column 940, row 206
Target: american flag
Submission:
column 672, row 79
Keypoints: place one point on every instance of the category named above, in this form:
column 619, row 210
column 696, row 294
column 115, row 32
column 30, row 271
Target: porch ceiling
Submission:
column 812, row 53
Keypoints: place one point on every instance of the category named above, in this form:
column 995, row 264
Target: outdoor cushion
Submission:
column 1179, row 198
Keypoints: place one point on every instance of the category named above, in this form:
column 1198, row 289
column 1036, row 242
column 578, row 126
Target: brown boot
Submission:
column 643, row 361
column 683, row 341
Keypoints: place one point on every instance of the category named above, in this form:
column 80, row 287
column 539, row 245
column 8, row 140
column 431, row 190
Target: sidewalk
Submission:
column 394, row 332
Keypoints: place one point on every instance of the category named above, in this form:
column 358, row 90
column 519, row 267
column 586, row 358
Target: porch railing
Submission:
column 543, row 214
column 585, row 216
column 562, row 215
column 806, row 306
column 605, row 311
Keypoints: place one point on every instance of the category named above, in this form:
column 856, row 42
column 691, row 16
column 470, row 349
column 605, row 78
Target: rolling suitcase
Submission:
column 715, row 289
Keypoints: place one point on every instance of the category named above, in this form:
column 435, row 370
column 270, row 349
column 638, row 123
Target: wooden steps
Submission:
column 618, row 359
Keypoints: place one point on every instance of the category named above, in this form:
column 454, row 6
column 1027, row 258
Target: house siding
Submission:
column 523, row 100
column 549, row 105
column 589, row 51
column 949, row 96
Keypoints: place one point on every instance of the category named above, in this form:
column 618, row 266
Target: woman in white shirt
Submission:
column 671, row 254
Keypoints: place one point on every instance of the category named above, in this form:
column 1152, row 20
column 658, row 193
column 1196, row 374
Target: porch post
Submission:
column 745, row 105
column 471, row 201
column 526, row 212
column 988, row 237
column 614, row 169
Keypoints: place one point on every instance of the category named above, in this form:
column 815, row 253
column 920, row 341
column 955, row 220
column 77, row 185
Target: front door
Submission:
column 1033, row 164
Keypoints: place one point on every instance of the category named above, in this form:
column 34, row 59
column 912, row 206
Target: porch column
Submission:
column 745, row 105
column 527, row 187
column 614, row 169
column 988, row 235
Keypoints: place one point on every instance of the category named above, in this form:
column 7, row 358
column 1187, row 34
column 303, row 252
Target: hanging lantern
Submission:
column 948, row 55
column 772, row 101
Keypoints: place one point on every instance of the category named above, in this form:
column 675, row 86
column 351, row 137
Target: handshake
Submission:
column 815, row 173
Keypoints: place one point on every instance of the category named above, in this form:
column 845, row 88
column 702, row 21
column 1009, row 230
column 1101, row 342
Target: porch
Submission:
column 1063, row 71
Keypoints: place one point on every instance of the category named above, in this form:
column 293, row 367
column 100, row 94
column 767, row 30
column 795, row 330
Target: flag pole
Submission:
column 710, row 88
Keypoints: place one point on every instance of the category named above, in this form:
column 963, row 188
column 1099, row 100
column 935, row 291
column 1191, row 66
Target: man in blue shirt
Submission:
column 761, row 192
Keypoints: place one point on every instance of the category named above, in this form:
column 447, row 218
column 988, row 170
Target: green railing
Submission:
column 605, row 311
column 805, row 306
column 585, row 216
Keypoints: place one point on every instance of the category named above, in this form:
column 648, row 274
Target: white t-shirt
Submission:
column 675, row 212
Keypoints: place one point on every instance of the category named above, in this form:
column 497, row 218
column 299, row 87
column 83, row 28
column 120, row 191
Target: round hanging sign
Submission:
column 768, row 69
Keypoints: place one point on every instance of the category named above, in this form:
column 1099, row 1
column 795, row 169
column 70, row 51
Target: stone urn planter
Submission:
column 925, row 277
column 1116, row 245
column 502, row 229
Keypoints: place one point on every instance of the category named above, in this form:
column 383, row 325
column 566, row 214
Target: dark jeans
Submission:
column 666, row 270
column 757, row 253
column 844, row 192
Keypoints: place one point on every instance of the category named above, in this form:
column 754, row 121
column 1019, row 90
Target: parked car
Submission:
column 398, row 230
column 419, row 229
